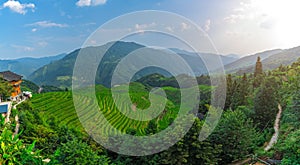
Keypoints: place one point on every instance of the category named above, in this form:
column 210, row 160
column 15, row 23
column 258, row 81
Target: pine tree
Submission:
column 190, row 150
column 258, row 67
column 229, row 92
column 240, row 94
column 236, row 134
column 265, row 105
column 258, row 73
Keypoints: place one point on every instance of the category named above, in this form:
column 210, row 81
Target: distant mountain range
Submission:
column 58, row 70
column 59, row 73
column 249, row 61
column 270, row 59
column 26, row 66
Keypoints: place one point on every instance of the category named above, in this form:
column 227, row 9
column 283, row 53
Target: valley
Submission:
column 50, row 121
column 161, row 82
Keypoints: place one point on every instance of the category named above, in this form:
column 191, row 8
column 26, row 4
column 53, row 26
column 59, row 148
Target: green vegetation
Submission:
column 60, row 105
column 59, row 73
column 5, row 89
column 288, row 145
column 49, row 122
column 29, row 86
column 32, row 87
column 13, row 150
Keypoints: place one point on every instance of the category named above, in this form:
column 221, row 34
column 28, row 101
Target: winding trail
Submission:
column 276, row 128
column 17, row 119
column 270, row 144
column 17, row 126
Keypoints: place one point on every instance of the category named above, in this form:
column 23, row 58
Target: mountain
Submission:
column 270, row 60
column 59, row 73
column 26, row 66
column 226, row 59
column 236, row 56
column 286, row 57
column 249, row 61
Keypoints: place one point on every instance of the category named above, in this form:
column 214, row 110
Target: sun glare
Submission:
column 284, row 15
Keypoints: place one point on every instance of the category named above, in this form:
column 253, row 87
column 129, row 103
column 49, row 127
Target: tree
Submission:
column 5, row 89
column 152, row 128
column 258, row 73
column 229, row 92
column 190, row 150
column 14, row 151
column 78, row 152
column 258, row 67
column 240, row 94
column 290, row 149
column 265, row 105
column 237, row 135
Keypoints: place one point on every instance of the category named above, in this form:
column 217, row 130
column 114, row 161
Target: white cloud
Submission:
column 34, row 29
column 47, row 24
column 23, row 48
column 42, row 43
column 18, row 7
column 170, row 29
column 268, row 23
column 233, row 18
column 142, row 27
column 185, row 26
column 83, row 3
column 207, row 25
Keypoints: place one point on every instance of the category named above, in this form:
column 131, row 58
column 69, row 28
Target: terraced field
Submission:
column 60, row 105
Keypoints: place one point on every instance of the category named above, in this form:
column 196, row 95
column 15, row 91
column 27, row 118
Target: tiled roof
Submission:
column 10, row 76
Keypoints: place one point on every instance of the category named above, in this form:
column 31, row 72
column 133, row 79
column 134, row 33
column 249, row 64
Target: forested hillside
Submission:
column 270, row 59
column 60, row 73
column 49, row 121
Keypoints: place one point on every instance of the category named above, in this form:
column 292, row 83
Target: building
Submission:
column 5, row 110
column 15, row 80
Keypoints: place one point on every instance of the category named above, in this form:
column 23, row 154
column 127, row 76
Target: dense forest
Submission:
column 50, row 132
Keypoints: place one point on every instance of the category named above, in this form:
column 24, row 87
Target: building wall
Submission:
column 17, row 88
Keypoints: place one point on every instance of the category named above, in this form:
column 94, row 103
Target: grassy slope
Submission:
column 60, row 105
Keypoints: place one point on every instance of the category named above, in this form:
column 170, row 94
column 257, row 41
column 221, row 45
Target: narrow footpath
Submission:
column 17, row 119
column 270, row 144
column 276, row 128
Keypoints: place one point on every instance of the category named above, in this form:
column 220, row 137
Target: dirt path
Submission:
column 17, row 119
column 276, row 128
column 17, row 126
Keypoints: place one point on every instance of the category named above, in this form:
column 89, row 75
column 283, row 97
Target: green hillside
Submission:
column 249, row 61
column 244, row 130
column 59, row 73
column 270, row 59
column 32, row 87
column 60, row 105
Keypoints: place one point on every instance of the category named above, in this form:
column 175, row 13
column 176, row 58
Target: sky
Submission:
column 35, row 28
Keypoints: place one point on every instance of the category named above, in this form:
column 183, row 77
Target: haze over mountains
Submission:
column 26, row 66
column 249, row 61
column 58, row 70
column 59, row 73
column 270, row 59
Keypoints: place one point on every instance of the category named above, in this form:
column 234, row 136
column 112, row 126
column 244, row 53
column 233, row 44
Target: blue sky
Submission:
column 36, row 28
